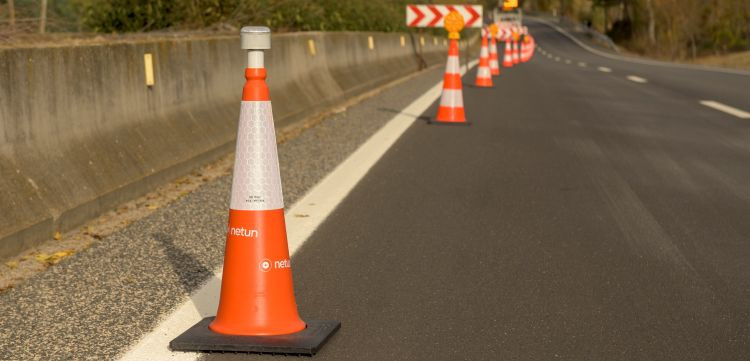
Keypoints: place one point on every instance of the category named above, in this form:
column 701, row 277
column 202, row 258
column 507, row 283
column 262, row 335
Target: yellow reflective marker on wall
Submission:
column 370, row 43
column 403, row 41
column 311, row 46
column 421, row 40
column 148, row 67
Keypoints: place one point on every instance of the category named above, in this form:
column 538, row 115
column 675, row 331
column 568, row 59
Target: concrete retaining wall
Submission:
column 80, row 132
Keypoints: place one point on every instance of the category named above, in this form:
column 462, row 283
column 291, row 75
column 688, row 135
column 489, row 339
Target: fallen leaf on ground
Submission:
column 42, row 257
column 57, row 236
column 12, row 264
column 58, row 256
column 54, row 258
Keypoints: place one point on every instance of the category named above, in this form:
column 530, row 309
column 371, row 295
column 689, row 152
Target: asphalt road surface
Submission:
column 585, row 215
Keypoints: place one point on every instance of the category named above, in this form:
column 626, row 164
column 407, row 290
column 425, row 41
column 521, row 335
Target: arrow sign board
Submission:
column 431, row 16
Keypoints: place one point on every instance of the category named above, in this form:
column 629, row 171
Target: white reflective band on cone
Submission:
column 452, row 98
column 483, row 72
column 453, row 66
column 256, row 183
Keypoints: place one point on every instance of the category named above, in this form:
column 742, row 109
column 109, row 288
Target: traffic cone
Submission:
column 451, row 110
column 532, row 47
column 507, row 55
column 516, row 49
column 257, row 310
column 484, row 75
column 527, row 50
column 494, row 65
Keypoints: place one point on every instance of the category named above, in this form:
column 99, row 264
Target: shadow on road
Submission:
column 423, row 118
column 190, row 271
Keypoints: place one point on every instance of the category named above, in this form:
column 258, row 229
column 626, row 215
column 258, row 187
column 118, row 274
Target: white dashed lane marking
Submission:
column 637, row 79
column 604, row 69
column 726, row 109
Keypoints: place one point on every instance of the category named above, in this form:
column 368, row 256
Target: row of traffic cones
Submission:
column 257, row 310
column 451, row 110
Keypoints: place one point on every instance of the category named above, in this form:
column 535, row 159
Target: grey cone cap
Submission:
column 255, row 38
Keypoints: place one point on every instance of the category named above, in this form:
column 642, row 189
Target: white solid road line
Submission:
column 604, row 69
column 637, row 79
column 726, row 109
column 317, row 204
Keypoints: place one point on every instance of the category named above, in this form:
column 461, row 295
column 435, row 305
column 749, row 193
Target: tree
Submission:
column 43, row 17
column 12, row 16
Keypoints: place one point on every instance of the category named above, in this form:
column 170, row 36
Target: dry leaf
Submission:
column 151, row 206
column 54, row 258
column 57, row 236
column 58, row 256
column 42, row 257
column 12, row 264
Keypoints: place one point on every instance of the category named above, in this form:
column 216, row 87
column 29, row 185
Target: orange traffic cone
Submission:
column 516, row 49
column 507, row 57
column 494, row 65
column 484, row 75
column 451, row 110
column 532, row 47
column 257, row 311
column 527, row 50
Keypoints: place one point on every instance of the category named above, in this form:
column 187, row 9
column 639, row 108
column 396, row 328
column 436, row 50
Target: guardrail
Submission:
column 81, row 129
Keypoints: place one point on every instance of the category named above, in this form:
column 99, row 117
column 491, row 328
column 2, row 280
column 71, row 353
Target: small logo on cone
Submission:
column 265, row 265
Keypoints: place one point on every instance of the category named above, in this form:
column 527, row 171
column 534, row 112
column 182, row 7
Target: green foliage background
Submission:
column 674, row 29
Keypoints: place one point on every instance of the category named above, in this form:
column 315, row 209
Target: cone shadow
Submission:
column 423, row 118
column 192, row 274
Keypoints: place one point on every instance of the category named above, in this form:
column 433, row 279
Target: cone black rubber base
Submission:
column 305, row 342
column 435, row 122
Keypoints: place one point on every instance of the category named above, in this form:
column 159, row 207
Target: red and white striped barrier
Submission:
column 433, row 16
